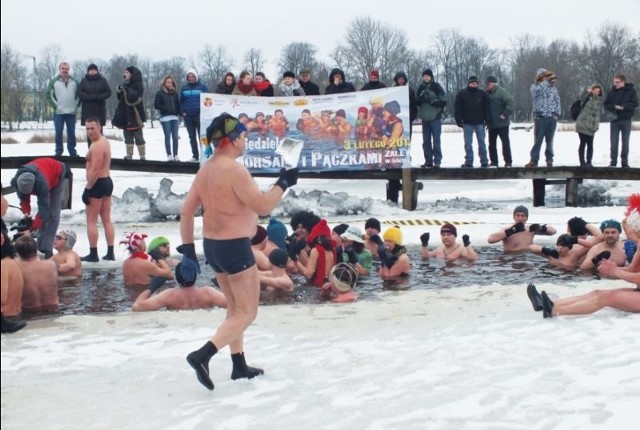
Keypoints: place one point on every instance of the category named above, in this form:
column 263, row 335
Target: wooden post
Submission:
column 539, row 191
column 407, row 190
column 571, row 192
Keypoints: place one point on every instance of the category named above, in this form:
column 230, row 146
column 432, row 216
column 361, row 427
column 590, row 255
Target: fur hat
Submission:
column 472, row 78
column 277, row 233
column 492, row 78
column 393, row 107
column 288, row 74
column 260, row 236
column 522, row 209
column 376, row 100
column 428, row 72
column 449, row 228
column 374, row 74
column 373, row 223
column 25, row 182
column 393, row 234
column 279, row 257
column 156, row 243
column 92, row 67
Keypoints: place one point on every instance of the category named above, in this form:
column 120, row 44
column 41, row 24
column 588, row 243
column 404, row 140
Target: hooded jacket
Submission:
column 413, row 105
column 190, row 95
column 588, row 120
column 500, row 103
column 130, row 113
column 343, row 87
column 93, row 92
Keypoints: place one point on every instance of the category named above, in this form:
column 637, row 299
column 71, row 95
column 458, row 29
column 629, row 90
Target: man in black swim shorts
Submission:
column 231, row 202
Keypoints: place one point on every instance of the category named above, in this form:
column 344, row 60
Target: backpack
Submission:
column 575, row 109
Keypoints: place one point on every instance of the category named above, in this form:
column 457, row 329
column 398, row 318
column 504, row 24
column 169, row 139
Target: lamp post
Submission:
column 34, row 89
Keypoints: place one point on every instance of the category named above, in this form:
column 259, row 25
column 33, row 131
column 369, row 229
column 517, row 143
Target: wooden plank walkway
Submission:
column 571, row 176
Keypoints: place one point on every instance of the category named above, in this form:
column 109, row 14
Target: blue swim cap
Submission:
column 611, row 223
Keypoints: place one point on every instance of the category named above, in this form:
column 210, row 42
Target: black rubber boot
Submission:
column 92, row 257
column 240, row 368
column 11, row 326
column 535, row 297
column 199, row 360
column 547, row 305
column 110, row 256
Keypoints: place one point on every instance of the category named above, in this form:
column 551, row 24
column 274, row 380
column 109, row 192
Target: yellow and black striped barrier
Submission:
column 427, row 222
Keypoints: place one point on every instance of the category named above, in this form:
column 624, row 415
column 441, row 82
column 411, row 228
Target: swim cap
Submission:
column 224, row 126
column 610, row 223
column 277, row 233
column 71, row 238
column 186, row 272
column 279, row 257
column 344, row 277
column 156, row 243
column 393, row 234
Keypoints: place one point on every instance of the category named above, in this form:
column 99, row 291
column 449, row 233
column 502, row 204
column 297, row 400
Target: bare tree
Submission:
column 215, row 64
column 370, row 44
column 253, row 60
column 14, row 86
column 296, row 56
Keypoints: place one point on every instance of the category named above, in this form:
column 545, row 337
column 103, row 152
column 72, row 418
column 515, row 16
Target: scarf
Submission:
column 246, row 89
column 261, row 86
column 289, row 89
column 141, row 255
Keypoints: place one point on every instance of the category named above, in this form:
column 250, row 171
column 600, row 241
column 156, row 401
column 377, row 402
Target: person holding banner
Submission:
column 337, row 83
column 231, row 202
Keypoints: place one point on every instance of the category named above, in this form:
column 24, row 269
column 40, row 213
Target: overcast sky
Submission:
column 162, row 29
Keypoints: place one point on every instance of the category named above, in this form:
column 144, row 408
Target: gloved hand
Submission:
column 577, row 226
column 288, row 178
column 23, row 225
column 465, row 240
column 550, row 252
column 155, row 254
column 574, row 240
column 376, row 239
column 382, row 254
column 604, row 255
column 424, row 239
column 156, row 283
column 390, row 261
column 460, row 124
column 85, row 197
column 516, row 228
column 296, row 248
column 537, row 228
column 351, row 253
column 25, row 206
column 188, row 250
column 36, row 224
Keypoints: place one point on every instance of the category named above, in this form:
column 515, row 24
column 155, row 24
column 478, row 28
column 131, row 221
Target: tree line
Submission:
column 368, row 44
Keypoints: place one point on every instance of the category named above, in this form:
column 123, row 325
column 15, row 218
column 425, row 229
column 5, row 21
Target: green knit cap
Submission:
column 157, row 243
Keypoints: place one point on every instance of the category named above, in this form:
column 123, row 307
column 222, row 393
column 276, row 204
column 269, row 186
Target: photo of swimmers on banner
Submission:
column 351, row 131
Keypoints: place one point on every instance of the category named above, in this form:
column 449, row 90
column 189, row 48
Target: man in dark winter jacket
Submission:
column 501, row 106
column 431, row 101
column 472, row 114
column 190, row 107
column 309, row 87
column 374, row 82
column 93, row 92
column 622, row 100
column 337, row 83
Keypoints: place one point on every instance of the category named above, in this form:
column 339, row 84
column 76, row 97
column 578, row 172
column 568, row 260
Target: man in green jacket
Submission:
column 501, row 106
column 63, row 99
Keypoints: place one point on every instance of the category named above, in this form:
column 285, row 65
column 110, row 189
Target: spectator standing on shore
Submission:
column 431, row 100
column 93, row 92
column 62, row 95
column 546, row 108
column 190, row 108
column 501, row 106
column 472, row 114
column 309, row 87
column 227, row 85
column 588, row 122
column 167, row 102
column 263, row 86
column 622, row 100
column 130, row 114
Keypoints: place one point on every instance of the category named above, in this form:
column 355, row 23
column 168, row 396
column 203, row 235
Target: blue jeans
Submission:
column 432, row 153
column 192, row 123
column 544, row 129
column 623, row 128
column 478, row 129
column 59, row 121
column 170, row 129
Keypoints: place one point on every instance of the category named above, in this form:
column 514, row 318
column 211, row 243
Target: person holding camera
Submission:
column 45, row 178
column 130, row 115
column 546, row 107
column 231, row 202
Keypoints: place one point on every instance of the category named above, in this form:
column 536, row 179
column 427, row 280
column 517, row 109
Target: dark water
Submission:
column 103, row 291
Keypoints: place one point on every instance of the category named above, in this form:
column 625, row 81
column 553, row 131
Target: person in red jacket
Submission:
column 46, row 178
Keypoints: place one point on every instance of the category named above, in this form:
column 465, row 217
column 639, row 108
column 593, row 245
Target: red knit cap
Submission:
column 320, row 229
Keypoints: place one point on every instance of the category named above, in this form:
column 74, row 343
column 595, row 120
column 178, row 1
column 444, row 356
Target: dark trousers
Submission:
column 621, row 128
column 586, row 142
column 503, row 133
column 192, row 123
